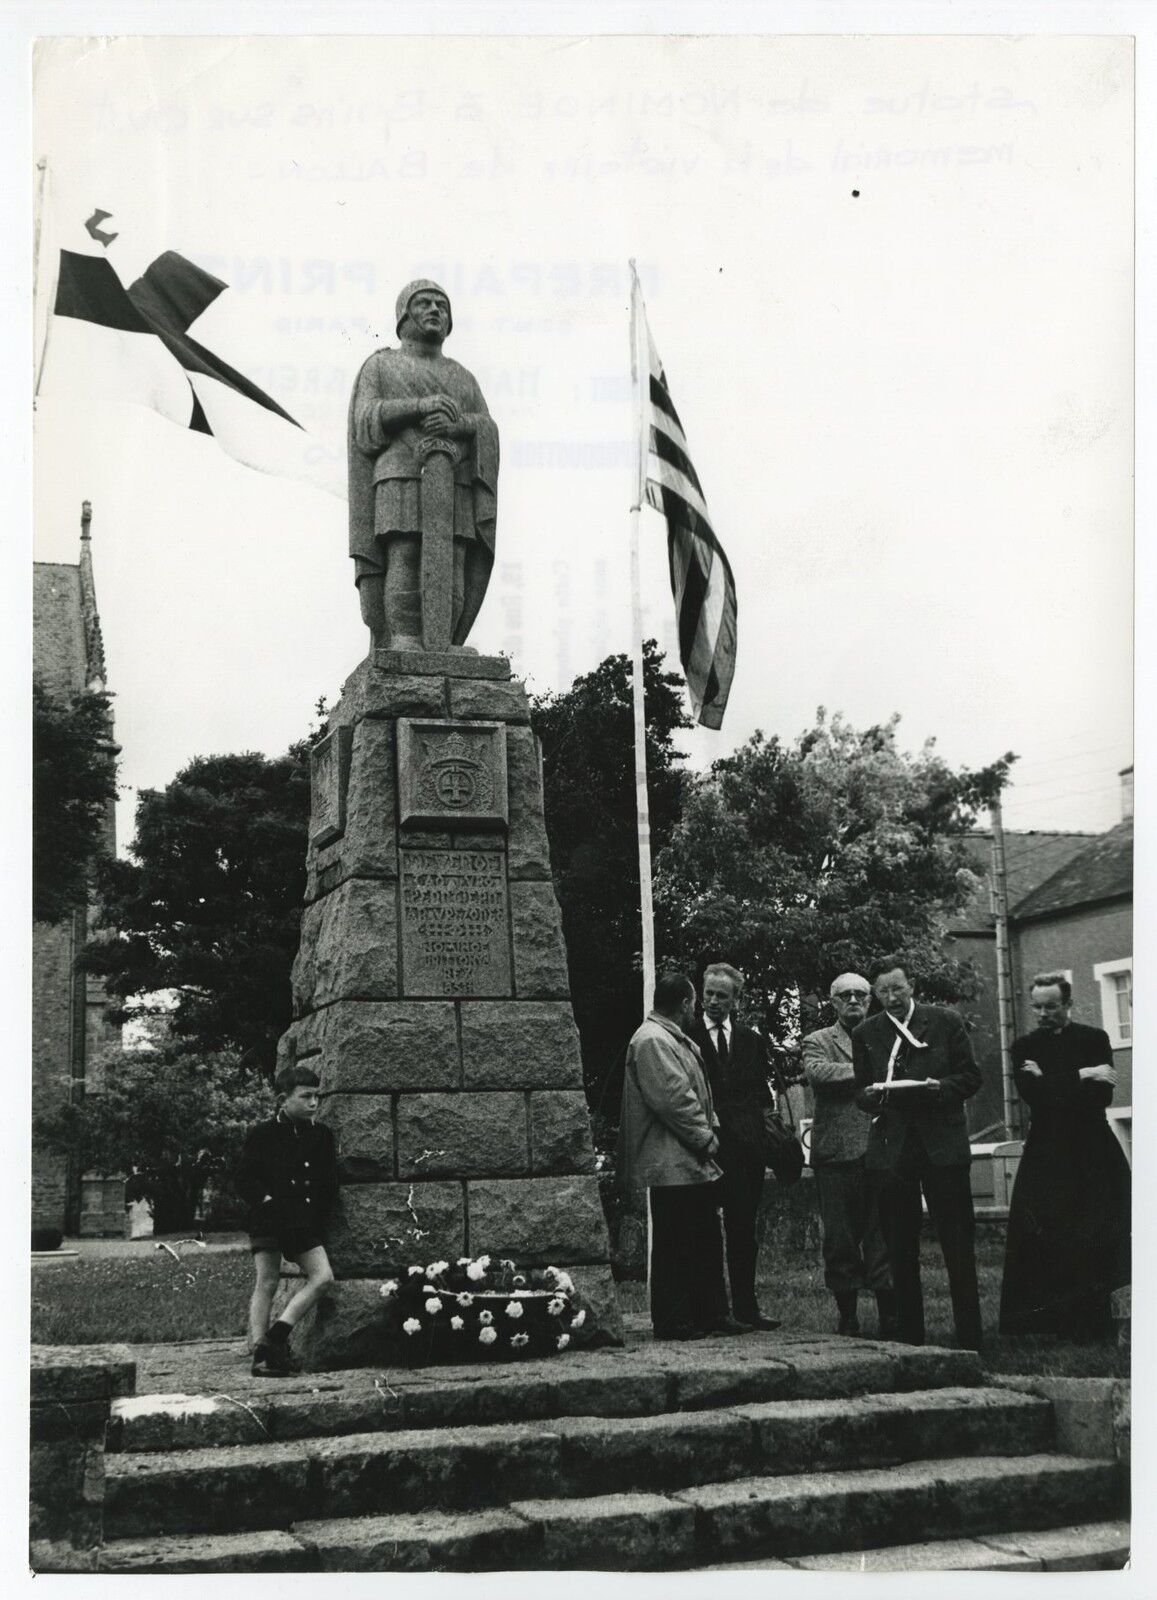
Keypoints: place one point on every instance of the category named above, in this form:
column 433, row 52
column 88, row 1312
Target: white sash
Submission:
column 902, row 1032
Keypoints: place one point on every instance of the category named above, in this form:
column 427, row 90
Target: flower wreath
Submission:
column 483, row 1307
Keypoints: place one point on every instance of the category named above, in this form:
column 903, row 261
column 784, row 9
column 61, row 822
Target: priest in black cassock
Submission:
column 1069, row 1225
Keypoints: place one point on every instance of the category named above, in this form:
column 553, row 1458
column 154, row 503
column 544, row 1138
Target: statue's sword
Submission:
column 438, row 458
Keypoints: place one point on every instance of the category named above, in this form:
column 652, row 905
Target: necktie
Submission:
column 721, row 1046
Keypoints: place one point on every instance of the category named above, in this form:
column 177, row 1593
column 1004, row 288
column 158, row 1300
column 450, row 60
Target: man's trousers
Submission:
column 949, row 1195
column 855, row 1255
column 742, row 1191
column 686, row 1269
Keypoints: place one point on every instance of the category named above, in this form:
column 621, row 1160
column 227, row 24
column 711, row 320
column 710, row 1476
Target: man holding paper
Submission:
column 914, row 1070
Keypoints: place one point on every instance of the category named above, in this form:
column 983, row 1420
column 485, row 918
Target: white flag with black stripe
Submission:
column 136, row 344
column 701, row 577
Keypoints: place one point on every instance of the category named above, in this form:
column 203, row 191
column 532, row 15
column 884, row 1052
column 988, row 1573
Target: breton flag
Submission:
column 135, row 344
column 701, row 578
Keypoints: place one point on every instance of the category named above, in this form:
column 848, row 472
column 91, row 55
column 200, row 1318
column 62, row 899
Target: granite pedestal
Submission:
column 431, row 995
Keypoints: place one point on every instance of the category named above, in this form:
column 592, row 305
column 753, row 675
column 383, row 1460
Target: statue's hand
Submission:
column 439, row 414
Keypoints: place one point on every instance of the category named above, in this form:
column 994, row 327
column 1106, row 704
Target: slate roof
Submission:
column 1030, row 858
column 1102, row 871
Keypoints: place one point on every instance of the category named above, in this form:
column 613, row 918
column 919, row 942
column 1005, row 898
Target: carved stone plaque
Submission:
column 451, row 774
column 455, row 923
column 329, row 769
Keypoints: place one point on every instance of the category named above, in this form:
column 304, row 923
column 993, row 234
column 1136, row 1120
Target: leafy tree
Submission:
column 73, row 784
column 588, row 747
column 800, row 861
column 209, row 906
column 172, row 1119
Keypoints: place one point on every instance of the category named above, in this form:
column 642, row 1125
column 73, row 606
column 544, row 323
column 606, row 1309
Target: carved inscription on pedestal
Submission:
column 455, row 921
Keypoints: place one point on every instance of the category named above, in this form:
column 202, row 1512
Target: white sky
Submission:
column 911, row 410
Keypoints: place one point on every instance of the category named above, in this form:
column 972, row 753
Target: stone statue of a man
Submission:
column 423, row 482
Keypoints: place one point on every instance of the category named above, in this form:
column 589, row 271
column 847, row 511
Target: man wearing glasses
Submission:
column 855, row 1256
column 914, row 1070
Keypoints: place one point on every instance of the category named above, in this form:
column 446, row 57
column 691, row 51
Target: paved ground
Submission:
column 221, row 1366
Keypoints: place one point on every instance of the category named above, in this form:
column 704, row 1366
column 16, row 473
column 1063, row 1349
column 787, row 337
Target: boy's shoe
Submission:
column 271, row 1361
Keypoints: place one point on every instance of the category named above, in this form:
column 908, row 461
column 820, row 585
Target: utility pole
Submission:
column 1003, row 968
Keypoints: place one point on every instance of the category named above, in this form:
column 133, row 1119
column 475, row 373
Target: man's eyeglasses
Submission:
column 851, row 994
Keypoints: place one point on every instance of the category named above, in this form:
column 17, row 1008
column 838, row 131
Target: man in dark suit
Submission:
column 736, row 1062
column 914, row 1070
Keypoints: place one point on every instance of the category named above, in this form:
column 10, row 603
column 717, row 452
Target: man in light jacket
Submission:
column 855, row 1255
column 668, row 1141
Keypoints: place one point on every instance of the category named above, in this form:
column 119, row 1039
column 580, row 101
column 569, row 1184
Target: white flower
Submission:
column 519, row 1280
column 562, row 1341
column 415, row 1272
column 457, row 1324
column 578, row 1319
column 519, row 1339
column 463, row 1261
column 436, row 1268
column 433, row 1305
column 556, row 1307
column 486, row 1336
column 513, row 1309
column 476, row 1272
column 486, row 1318
column 562, row 1280
column 411, row 1325
column 388, row 1289
column 465, row 1298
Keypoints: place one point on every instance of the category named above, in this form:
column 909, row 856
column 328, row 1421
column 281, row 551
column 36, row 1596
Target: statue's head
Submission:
column 424, row 296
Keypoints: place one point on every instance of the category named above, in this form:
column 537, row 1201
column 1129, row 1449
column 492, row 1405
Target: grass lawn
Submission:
column 792, row 1288
column 145, row 1299
column 151, row 1299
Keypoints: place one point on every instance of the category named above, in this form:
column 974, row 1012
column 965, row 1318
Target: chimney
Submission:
column 1126, row 777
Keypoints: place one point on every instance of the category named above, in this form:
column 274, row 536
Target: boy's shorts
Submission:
column 290, row 1241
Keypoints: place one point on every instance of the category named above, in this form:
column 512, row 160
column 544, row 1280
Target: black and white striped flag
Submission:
column 701, row 578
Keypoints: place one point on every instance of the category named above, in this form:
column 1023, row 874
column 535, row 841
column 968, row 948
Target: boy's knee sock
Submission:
column 279, row 1332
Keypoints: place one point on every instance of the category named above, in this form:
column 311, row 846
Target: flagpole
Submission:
column 41, row 302
column 642, row 807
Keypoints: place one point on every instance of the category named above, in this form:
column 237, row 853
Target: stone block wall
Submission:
column 72, row 1390
column 53, row 995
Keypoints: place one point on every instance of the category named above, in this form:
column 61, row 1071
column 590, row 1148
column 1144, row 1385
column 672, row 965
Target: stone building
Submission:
column 68, row 1023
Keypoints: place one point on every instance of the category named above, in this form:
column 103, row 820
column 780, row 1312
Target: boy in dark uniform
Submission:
column 288, row 1177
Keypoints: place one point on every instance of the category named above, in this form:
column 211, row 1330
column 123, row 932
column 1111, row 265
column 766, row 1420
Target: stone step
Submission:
column 168, row 1553
column 829, row 1521
column 1088, row 1547
column 231, row 1488
column 638, row 1531
column 637, row 1382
